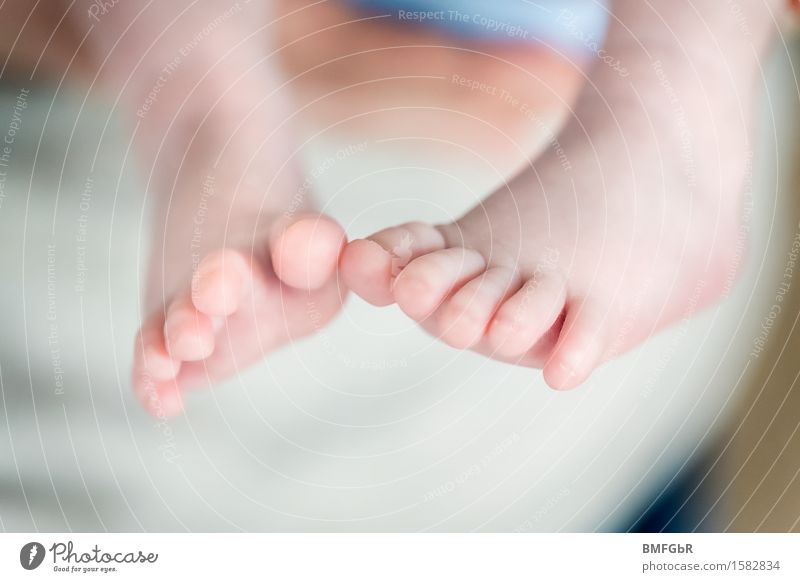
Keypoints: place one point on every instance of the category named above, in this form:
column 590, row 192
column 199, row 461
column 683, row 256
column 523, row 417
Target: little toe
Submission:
column 160, row 399
column 151, row 358
column 579, row 349
column 305, row 252
column 219, row 283
column 189, row 334
column 370, row 265
column 527, row 315
column 428, row 280
column 465, row 316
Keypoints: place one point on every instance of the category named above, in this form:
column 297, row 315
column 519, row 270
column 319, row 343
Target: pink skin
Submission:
column 241, row 263
column 563, row 269
column 265, row 271
column 537, row 299
column 470, row 300
column 550, row 271
column 240, row 306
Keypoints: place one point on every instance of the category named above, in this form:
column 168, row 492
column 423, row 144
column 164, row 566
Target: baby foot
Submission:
column 241, row 264
column 552, row 272
column 241, row 304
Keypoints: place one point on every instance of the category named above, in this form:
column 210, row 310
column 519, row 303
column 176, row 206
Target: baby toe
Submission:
column 579, row 349
column 188, row 333
column 428, row 280
column 527, row 315
column 305, row 252
column 370, row 265
column 151, row 358
column 160, row 399
column 219, row 283
column 465, row 316
column 366, row 270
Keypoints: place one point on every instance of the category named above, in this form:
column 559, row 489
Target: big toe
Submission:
column 366, row 269
column 369, row 266
column 305, row 251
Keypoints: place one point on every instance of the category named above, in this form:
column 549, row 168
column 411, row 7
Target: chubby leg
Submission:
column 356, row 71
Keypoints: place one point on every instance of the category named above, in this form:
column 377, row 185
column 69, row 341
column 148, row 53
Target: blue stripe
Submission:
column 568, row 25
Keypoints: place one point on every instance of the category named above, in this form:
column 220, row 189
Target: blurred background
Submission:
column 371, row 425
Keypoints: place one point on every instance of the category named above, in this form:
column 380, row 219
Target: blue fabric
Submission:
column 574, row 26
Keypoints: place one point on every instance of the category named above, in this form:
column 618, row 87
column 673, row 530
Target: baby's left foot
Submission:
column 560, row 269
